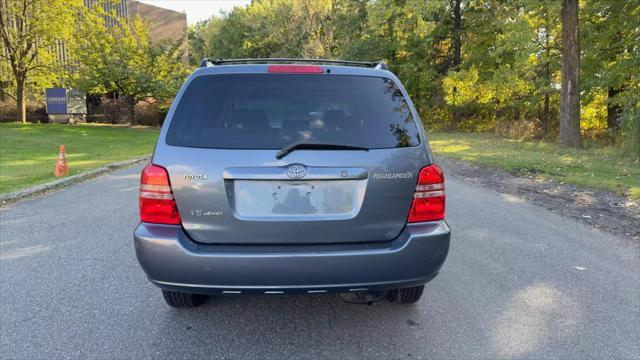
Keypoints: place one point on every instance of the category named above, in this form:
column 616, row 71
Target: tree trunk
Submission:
column 131, row 104
column 545, row 115
column 613, row 110
column 457, row 41
column 21, row 101
column 570, row 88
column 456, row 114
column 546, row 122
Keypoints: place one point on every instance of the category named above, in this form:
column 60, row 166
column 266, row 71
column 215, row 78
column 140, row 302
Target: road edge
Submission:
column 60, row 183
column 599, row 209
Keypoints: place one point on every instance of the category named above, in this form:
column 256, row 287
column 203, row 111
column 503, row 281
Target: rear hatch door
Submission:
column 231, row 188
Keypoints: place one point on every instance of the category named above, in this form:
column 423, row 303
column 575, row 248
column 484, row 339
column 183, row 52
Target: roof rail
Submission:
column 206, row 62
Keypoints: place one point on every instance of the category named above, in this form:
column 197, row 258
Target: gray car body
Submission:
column 223, row 247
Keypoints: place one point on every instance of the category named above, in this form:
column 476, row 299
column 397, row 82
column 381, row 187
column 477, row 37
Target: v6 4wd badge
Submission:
column 197, row 212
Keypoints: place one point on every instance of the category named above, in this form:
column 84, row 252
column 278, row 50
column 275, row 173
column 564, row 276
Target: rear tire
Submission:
column 406, row 295
column 182, row 300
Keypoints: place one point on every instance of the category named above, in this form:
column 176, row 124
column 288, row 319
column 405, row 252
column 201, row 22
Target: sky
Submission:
column 198, row 10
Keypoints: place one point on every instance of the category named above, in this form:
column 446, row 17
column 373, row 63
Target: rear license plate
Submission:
column 322, row 199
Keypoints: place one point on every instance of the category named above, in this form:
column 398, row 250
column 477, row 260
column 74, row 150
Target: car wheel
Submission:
column 182, row 300
column 406, row 295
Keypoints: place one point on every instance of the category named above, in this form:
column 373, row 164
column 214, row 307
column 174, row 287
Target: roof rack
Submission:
column 206, row 62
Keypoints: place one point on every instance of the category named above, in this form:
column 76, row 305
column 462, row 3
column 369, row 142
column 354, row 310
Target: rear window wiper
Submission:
column 316, row 145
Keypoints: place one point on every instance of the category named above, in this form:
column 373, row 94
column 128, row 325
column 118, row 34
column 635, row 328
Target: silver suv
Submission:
column 281, row 176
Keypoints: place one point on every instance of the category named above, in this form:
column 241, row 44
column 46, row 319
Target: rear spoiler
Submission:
column 206, row 62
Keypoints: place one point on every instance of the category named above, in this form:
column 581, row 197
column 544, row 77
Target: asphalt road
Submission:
column 70, row 287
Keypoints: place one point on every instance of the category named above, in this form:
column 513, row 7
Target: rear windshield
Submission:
column 270, row 111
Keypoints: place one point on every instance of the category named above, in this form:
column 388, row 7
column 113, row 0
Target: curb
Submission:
column 42, row 188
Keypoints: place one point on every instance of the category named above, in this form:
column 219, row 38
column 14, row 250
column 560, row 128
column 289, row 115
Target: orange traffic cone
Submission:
column 61, row 164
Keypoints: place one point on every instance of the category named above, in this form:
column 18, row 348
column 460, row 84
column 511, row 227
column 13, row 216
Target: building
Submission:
column 164, row 25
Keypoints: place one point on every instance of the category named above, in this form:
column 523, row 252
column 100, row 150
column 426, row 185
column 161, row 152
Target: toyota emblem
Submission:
column 296, row 171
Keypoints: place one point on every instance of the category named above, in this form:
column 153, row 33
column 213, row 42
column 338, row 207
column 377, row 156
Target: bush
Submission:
column 115, row 111
column 521, row 129
column 436, row 118
column 7, row 110
column 593, row 113
column 629, row 138
column 163, row 110
column 148, row 114
column 36, row 112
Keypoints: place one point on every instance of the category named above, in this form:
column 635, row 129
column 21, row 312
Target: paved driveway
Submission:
column 70, row 287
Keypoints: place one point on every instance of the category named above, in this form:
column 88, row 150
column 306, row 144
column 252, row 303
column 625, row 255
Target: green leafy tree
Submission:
column 510, row 64
column 200, row 39
column 121, row 58
column 32, row 33
column 348, row 22
column 415, row 40
column 282, row 28
column 470, row 65
column 610, row 38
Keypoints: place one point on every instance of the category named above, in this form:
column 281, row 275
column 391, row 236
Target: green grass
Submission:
column 593, row 167
column 28, row 153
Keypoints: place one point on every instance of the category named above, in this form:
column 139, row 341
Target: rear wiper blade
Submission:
column 316, row 145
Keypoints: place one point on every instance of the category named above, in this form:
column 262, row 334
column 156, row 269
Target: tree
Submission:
column 120, row 58
column 504, row 59
column 456, row 39
column 570, row 87
column 31, row 32
column 457, row 34
column 611, row 52
column 198, row 48
column 413, row 37
column 508, row 72
column 347, row 21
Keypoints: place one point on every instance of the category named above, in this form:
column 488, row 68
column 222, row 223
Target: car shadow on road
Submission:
column 296, row 325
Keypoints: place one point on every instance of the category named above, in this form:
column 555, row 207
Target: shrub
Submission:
column 436, row 118
column 148, row 114
column 629, row 138
column 521, row 129
column 115, row 111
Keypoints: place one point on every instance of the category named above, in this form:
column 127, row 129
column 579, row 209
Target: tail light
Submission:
column 157, row 204
column 429, row 198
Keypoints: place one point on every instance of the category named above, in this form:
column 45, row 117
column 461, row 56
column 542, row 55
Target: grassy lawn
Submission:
column 28, row 153
column 594, row 167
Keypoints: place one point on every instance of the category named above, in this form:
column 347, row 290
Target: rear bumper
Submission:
column 172, row 261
